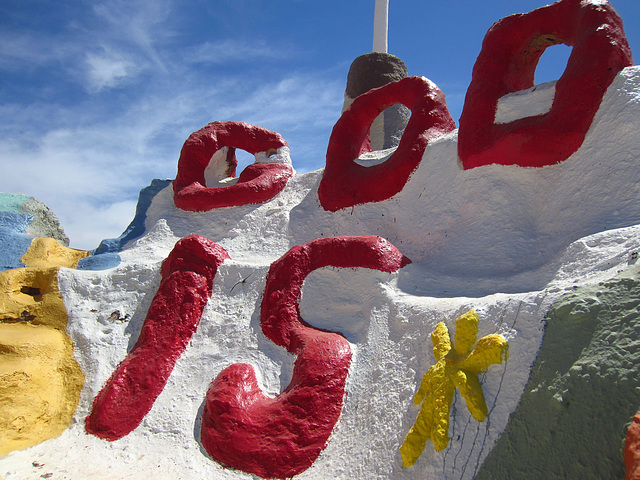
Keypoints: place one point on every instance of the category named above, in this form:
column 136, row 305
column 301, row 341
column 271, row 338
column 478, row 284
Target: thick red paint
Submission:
column 632, row 450
column 174, row 314
column 281, row 437
column 346, row 183
column 257, row 183
column 507, row 63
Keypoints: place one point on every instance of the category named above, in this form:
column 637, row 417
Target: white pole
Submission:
column 380, row 26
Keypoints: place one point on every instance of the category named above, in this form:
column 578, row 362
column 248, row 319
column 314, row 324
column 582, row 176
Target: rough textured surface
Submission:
column 45, row 252
column 21, row 218
column 45, row 224
column 281, row 437
column 172, row 319
column 40, row 381
column 373, row 70
column 582, row 391
column 40, row 384
column 256, row 184
column 13, row 238
column 32, row 293
column 346, row 183
column 507, row 63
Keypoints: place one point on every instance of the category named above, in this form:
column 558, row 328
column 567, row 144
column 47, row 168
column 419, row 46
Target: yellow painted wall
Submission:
column 40, row 384
column 40, row 380
column 48, row 252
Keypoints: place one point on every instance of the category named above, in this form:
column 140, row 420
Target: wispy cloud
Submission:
column 105, row 44
column 18, row 50
column 233, row 51
column 136, row 25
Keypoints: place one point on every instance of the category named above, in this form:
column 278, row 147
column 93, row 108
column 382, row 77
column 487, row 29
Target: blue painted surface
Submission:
column 136, row 227
column 101, row 261
column 13, row 241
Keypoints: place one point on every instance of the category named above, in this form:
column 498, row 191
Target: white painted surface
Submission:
column 533, row 101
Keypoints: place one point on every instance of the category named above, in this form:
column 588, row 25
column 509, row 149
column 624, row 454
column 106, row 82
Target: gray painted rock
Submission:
column 45, row 224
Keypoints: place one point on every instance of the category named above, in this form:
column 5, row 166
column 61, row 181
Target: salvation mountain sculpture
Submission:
column 243, row 428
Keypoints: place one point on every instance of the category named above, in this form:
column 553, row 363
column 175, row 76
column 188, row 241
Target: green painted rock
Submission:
column 583, row 390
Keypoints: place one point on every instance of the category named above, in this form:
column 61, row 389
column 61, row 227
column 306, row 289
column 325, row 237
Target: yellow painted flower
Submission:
column 456, row 366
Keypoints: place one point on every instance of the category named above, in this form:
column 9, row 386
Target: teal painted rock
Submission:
column 583, row 389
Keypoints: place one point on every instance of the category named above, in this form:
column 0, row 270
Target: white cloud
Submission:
column 19, row 50
column 106, row 71
column 136, row 25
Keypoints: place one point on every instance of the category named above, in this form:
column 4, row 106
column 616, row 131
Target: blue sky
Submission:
column 98, row 97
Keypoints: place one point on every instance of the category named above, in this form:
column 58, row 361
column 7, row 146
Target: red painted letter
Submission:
column 174, row 314
column 257, row 183
column 346, row 183
column 507, row 63
column 281, row 437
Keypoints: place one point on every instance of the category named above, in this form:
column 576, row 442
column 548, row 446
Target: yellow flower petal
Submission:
column 466, row 332
column 441, row 408
column 415, row 441
column 490, row 350
column 441, row 341
column 430, row 380
column 471, row 391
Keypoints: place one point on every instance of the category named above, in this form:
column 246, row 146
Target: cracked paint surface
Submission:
column 457, row 366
